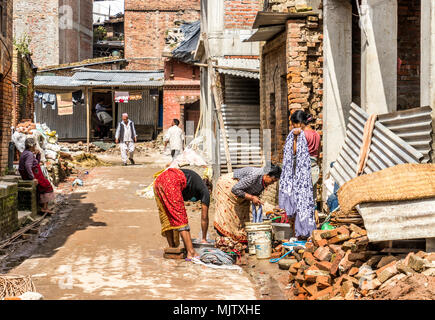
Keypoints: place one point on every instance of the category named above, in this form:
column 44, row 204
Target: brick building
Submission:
column 6, row 103
column 145, row 25
column 180, row 93
column 224, row 25
column 60, row 30
column 320, row 59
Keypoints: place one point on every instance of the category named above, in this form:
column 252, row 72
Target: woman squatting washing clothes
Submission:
column 234, row 192
column 300, row 173
column 30, row 170
column 171, row 189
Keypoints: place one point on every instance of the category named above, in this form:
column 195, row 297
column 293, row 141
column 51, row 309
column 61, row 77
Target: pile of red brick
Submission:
column 336, row 264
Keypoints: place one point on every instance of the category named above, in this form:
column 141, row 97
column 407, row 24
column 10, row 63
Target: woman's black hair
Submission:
column 301, row 117
column 274, row 171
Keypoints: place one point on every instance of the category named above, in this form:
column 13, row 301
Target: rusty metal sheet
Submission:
column 399, row 220
column 386, row 150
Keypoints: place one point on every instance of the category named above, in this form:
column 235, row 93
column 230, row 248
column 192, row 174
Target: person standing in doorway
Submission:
column 126, row 136
column 175, row 137
column 104, row 117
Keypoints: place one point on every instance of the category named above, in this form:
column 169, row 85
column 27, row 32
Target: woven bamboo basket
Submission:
column 401, row 182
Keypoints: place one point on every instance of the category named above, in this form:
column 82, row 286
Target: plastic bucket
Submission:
column 281, row 231
column 263, row 249
column 258, row 231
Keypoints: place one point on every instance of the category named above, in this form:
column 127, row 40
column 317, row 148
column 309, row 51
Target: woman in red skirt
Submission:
column 30, row 170
column 171, row 189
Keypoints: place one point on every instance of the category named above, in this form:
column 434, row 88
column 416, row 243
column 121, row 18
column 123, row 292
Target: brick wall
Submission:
column 240, row 14
column 9, row 208
column 6, row 91
column 23, row 102
column 356, row 56
column 77, row 45
column 408, row 49
column 174, row 99
column 52, row 43
column 145, row 28
column 176, row 70
column 300, row 63
column 273, row 87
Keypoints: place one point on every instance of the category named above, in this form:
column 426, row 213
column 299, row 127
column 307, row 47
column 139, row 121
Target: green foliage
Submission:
column 100, row 33
column 22, row 45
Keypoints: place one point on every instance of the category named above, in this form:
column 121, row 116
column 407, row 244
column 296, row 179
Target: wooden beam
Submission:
column 218, row 102
column 88, row 117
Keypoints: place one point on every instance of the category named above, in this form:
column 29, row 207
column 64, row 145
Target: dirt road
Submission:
column 110, row 247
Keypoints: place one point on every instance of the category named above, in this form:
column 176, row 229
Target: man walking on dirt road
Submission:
column 126, row 136
column 175, row 137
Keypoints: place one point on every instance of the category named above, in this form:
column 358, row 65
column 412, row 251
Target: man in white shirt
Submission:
column 175, row 137
column 126, row 136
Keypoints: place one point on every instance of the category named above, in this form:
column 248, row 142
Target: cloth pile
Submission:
column 215, row 256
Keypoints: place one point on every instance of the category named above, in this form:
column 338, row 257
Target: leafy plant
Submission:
column 22, row 45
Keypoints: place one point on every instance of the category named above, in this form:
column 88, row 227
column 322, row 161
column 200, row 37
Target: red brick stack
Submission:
column 336, row 264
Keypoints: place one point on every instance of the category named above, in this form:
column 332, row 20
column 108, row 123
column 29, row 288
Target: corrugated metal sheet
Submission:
column 241, row 114
column 414, row 126
column 265, row 34
column 102, row 78
column 386, row 221
column 141, row 112
column 68, row 126
column 240, row 63
column 55, row 81
column 386, row 149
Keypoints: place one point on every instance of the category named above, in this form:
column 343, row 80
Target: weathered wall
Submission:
column 75, row 43
column 273, row 87
column 6, row 90
column 408, row 51
column 181, row 87
column 240, row 14
column 9, row 208
column 40, row 21
column 292, row 79
column 61, row 30
column 23, row 89
column 145, row 28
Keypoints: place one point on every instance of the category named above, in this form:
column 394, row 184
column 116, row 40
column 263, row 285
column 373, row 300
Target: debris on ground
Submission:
column 338, row 264
column 11, row 287
column 56, row 164
column 87, row 160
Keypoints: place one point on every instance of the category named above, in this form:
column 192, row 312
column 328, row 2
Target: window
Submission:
column 3, row 17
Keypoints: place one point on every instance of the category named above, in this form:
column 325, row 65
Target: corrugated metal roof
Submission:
column 265, row 34
column 399, row 220
column 267, row 18
column 414, row 126
column 55, row 81
column 102, row 78
column 240, row 63
column 386, row 150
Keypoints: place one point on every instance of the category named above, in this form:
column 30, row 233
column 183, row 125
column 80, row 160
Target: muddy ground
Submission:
column 105, row 243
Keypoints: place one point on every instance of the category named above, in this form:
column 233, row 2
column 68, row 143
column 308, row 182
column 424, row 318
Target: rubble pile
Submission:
column 87, row 160
column 80, row 147
column 57, row 163
column 337, row 264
